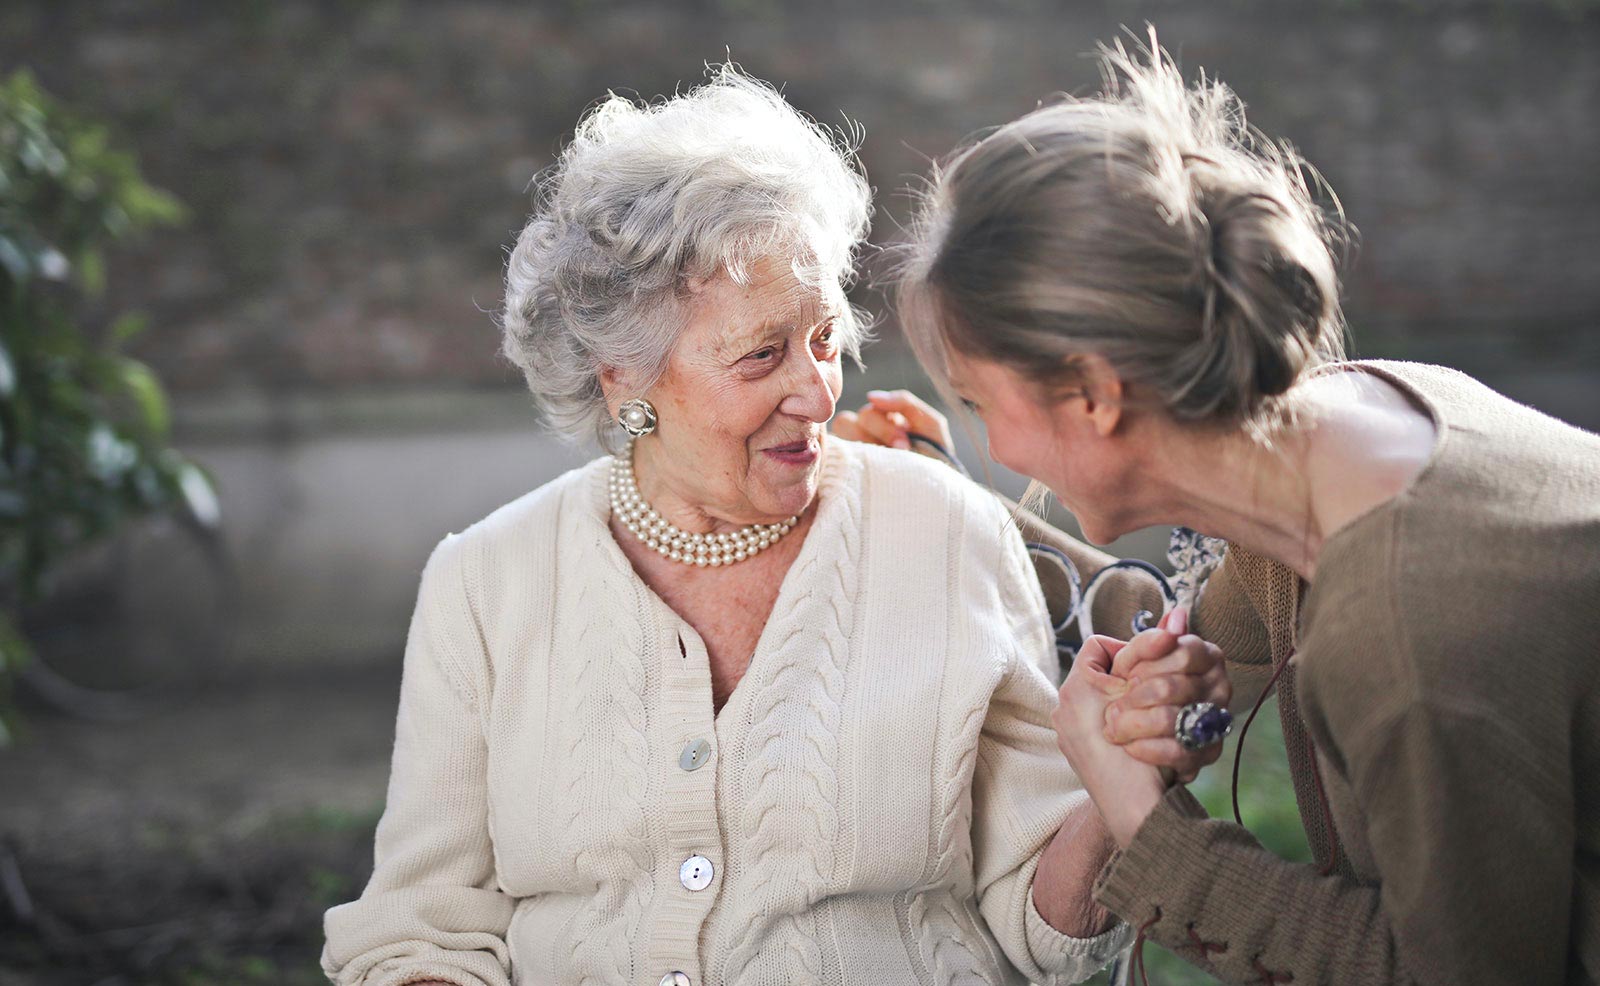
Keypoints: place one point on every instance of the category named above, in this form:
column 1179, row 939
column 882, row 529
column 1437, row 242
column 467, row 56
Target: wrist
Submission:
column 1133, row 803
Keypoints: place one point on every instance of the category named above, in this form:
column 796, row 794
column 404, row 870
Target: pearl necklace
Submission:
column 658, row 533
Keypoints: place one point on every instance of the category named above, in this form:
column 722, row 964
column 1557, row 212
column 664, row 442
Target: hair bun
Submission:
column 1264, row 311
column 1148, row 225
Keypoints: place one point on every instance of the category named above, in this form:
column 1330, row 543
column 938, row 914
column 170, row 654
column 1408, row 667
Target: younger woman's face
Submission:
column 1055, row 438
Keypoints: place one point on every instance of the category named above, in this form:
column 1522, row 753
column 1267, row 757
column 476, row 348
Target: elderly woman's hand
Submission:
column 891, row 418
column 1170, row 669
column 1124, row 789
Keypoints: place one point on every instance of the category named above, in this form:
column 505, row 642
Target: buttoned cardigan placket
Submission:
column 689, row 874
column 690, row 879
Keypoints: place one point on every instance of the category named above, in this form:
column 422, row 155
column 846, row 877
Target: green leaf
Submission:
column 115, row 220
column 14, row 653
column 152, row 486
column 8, row 372
column 14, row 260
column 38, row 154
column 141, row 384
column 14, row 648
column 110, row 456
column 200, row 495
column 91, row 271
column 52, row 264
column 128, row 326
column 149, row 206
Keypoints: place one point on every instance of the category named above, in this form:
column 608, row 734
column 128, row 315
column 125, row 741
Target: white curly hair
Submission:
column 649, row 197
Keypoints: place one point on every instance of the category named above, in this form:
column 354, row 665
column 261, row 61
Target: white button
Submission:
column 675, row 979
column 695, row 874
column 695, row 754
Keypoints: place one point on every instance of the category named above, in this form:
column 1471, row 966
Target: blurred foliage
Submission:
column 83, row 426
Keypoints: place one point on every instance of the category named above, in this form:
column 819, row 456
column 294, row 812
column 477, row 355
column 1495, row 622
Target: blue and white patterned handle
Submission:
column 1194, row 557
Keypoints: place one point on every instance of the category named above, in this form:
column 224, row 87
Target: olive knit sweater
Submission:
column 1443, row 725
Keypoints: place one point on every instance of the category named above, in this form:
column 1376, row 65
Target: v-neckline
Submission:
column 689, row 638
column 1384, row 511
column 823, row 528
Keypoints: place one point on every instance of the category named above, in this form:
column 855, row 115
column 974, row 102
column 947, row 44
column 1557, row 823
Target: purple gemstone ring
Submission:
column 1201, row 724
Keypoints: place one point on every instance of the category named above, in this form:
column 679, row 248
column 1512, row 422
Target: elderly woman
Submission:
column 740, row 703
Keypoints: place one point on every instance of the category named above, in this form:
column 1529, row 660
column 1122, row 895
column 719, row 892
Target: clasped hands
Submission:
column 1118, row 712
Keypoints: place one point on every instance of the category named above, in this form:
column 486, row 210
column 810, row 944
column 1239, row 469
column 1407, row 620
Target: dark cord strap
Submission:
column 940, row 451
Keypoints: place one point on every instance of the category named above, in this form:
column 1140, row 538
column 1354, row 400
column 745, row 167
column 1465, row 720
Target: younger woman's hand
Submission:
column 890, row 418
column 1174, row 668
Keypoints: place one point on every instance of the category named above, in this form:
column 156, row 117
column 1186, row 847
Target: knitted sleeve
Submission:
column 1465, row 804
column 1207, row 890
column 1229, row 614
column 1022, row 791
column 432, row 909
column 1468, row 848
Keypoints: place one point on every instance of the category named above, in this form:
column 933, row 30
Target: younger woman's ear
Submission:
column 1102, row 393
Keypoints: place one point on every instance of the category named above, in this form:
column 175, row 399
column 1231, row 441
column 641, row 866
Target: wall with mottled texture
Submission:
column 355, row 169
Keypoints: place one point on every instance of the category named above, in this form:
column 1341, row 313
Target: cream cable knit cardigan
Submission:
column 878, row 791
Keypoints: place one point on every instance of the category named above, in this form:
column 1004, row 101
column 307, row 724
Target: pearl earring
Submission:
column 637, row 417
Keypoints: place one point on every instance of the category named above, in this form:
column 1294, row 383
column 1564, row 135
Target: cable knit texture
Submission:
column 878, row 791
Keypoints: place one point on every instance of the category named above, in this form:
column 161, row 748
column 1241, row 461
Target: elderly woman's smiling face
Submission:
column 744, row 400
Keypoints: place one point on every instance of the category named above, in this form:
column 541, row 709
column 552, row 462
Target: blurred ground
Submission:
column 197, row 846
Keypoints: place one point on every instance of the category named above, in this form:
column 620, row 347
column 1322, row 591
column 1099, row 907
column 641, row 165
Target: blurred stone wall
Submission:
column 355, row 171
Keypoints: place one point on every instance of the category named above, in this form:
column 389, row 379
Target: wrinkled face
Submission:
column 745, row 398
column 1051, row 438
